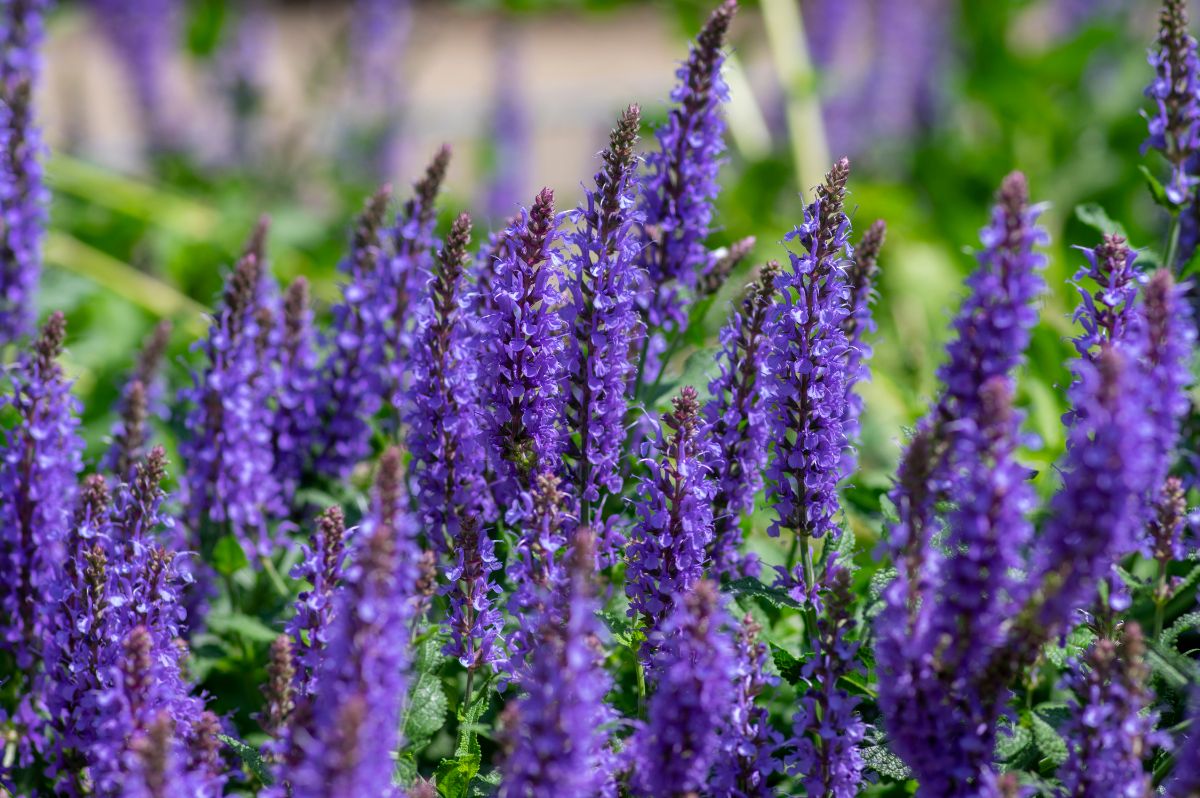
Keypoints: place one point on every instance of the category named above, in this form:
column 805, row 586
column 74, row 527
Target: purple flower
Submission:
column 144, row 34
column 322, row 567
column 439, row 411
column 474, row 622
column 737, row 424
column 602, row 318
column 1185, row 779
column 141, row 397
column 341, row 742
column 1108, row 313
column 534, row 571
column 523, row 403
column 806, row 359
column 827, row 727
column 693, row 673
column 509, row 133
column 861, row 276
column 560, row 740
column 1108, row 731
column 295, row 424
column 680, row 180
column 748, row 742
column 39, row 459
column 279, row 692
column 1167, row 351
column 669, row 550
column 229, row 481
column 352, row 384
column 23, row 195
column 1166, row 531
column 378, row 34
column 1175, row 124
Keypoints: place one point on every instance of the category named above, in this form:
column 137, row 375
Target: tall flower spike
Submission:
column 680, row 181
column 722, row 264
column 475, row 623
column 1108, row 730
column 296, row 424
column 523, row 405
column 1108, row 312
column 1175, row 124
column 748, row 742
column 351, row 385
column 351, row 730
column 560, row 744
column 693, row 671
column 39, row 460
column 1168, row 350
column 229, row 481
column 534, row 571
column 827, row 727
column 806, row 359
column 669, row 550
column 861, row 276
column 23, row 195
column 141, row 398
column 322, row 567
column 279, row 690
column 737, row 424
column 602, row 318
column 439, row 410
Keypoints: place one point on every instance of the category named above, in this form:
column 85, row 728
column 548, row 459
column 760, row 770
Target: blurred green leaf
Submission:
column 1157, row 191
column 1050, row 745
column 1095, row 217
column 453, row 776
column 227, row 557
column 250, row 756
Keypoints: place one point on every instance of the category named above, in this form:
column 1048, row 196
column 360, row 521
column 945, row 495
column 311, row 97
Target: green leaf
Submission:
column 238, row 623
column 1192, row 265
column 749, row 586
column 1157, row 191
column 1050, row 745
column 453, row 776
column 1015, row 745
column 1095, row 217
column 1171, row 666
column 430, row 655
column 1078, row 640
column 623, row 633
column 228, row 557
column 250, row 757
column 881, row 760
column 1183, row 623
column 788, row 665
column 425, row 713
column 468, row 725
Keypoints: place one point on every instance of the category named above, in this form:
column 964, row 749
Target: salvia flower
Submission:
column 509, row 133
column 474, row 621
column 737, row 424
column 229, row 477
column 669, row 550
column 861, row 276
column 41, row 456
column 806, row 358
column 1168, row 348
column 680, row 180
column 827, row 727
column 722, row 263
column 560, row 743
column 1175, row 124
column 1185, row 779
column 1108, row 312
column 523, row 401
column 602, row 318
column 23, row 194
column 351, row 385
column 1108, row 730
column 279, row 691
column 749, row 744
column 322, row 567
column 439, row 410
column 141, row 398
column 534, row 570
column 1166, row 531
column 343, row 747
column 296, row 422
column 693, row 674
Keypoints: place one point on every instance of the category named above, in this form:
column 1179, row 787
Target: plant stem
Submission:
column 1172, row 245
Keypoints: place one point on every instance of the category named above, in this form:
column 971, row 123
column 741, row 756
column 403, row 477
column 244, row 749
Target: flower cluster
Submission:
column 1175, row 125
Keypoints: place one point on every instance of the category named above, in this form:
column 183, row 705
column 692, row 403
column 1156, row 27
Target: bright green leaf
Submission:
column 453, row 776
column 228, row 557
column 749, row 586
column 1050, row 745
column 250, row 756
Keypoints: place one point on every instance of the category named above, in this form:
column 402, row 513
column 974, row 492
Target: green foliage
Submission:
column 251, row 758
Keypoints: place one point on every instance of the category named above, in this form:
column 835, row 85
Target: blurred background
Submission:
column 172, row 129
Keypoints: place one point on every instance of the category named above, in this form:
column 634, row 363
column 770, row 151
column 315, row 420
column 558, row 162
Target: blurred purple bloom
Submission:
column 1175, row 124
column 474, row 622
column 861, row 276
column 509, row 134
column 322, row 567
column 1185, row 779
column 141, row 397
column 296, row 425
column 534, row 571
column 748, row 742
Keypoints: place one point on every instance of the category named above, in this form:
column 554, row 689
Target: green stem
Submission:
column 1173, row 244
column 810, row 579
column 274, row 577
column 1160, row 599
column 641, row 688
column 467, row 692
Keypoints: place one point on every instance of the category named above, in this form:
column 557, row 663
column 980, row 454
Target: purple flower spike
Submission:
column 39, row 459
column 322, row 567
column 827, row 728
column 296, row 424
column 669, row 549
column 693, row 673
column 1175, row 124
column 439, row 410
column 1185, row 779
column 1107, row 313
column 534, row 571
column 352, row 386
column 748, row 743
column 341, row 742
column 1108, row 731
column 23, row 194
column 1166, row 317
column 560, row 737
column 1166, row 532
column 737, row 421
column 807, row 363
column 475, row 623
column 680, row 181
column 602, row 317
column 861, row 276
column 141, row 398
column 522, row 361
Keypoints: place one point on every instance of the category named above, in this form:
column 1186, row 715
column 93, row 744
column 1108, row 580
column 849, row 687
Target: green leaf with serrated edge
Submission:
column 788, row 665
column 1172, row 667
column 468, row 723
column 404, row 772
column 453, row 776
column 749, row 586
column 1012, row 743
column 250, row 628
column 1050, row 745
column 250, row 756
column 1182, row 624
column 1095, row 217
column 425, row 713
column 227, row 556
column 1157, row 191
column 1191, row 267
column 880, row 581
column 623, row 633
column 881, row 760
column 1077, row 641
